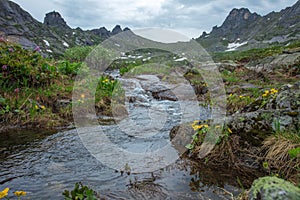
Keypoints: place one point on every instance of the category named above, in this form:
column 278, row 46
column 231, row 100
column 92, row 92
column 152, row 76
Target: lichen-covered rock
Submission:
column 289, row 97
column 270, row 188
column 257, row 121
column 256, row 126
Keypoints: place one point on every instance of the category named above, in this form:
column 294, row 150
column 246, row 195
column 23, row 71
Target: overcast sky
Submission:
column 188, row 17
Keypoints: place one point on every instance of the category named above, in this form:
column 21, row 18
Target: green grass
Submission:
column 152, row 68
column 30, row 85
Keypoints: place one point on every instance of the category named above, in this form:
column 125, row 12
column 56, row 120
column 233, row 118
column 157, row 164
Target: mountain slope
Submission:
column 243, row 28
column 53, row 36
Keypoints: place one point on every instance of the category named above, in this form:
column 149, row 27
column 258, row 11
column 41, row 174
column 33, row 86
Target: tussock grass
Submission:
column 275, row 151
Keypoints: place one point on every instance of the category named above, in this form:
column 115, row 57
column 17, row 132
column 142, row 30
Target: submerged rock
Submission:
column 165, row 95
column 269, row 188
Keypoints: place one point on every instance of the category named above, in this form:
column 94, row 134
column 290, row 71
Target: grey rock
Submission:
column 62, row 103
column 180, row 136
column 282, row 63
column 256, row 126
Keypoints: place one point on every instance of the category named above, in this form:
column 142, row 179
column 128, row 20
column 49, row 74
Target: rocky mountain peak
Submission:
column 126, row 29
column 239, row 17
column 54, row 19
column 235, row 23
column 116, row 30
column 243, row 29
column 242, row 13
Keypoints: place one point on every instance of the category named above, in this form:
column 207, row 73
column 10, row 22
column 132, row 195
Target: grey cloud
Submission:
column 173, row 14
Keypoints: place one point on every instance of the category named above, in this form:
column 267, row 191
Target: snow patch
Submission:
column 180, row 59
column 233, row 46
column 145, row 59
column 117, row 45
column 47, row 43
column 131, row 56
column 48, row 50
column 65, row 44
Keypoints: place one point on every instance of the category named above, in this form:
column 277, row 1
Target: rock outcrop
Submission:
column 102, row 32
column 54, row 19
column 287, row 63
column 263, row 117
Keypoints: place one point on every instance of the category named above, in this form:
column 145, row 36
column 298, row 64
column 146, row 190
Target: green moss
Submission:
column 269, row 188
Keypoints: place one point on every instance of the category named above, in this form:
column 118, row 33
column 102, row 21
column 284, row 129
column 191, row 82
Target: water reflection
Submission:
column 47, row 167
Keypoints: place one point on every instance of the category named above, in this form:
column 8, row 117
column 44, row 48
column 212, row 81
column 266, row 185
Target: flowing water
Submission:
column 45, row 164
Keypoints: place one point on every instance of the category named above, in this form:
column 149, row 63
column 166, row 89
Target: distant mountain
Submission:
column 243, row 29
column 53, row 36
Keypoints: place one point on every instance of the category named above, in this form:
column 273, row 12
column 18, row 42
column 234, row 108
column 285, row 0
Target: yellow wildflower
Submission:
column 20, row 193
column 273, row 91
column 229, row 130
column 80, row 101
column 196, row 121
column 82, row 96
column 105, row 80
column 230, row 95
column 36, row 107
column 218, row 126
column 205, row 125
column 267, row 92
column 196, row 127
column 4, row 193
column 241, row 96
column 43, row 107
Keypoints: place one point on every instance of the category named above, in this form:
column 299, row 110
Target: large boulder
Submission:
column 269, row 188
